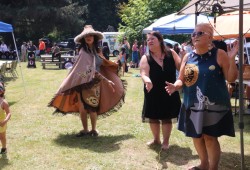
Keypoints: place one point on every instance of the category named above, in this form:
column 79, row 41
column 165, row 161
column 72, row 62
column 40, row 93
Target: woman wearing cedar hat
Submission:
column 92, row 85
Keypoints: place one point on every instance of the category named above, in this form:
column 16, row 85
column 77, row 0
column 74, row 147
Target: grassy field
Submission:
column 39, row 140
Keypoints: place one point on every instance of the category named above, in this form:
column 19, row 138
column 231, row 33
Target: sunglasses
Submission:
column 198, row 34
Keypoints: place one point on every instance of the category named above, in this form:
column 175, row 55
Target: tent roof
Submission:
column 161, row 21
column 184, row 24
column 4, row 27
column 230, row 21
column 205, row 6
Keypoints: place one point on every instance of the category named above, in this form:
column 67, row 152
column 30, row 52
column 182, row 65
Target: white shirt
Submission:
column 4, row 47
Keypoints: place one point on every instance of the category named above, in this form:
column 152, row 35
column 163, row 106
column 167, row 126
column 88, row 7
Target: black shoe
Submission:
column 82, row 134
column 3, row 151
column 93, row 133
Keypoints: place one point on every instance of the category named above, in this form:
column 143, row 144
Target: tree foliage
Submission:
column 138, row 14
column 33, row 19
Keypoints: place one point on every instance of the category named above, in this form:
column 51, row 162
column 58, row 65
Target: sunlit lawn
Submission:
column 39, row 140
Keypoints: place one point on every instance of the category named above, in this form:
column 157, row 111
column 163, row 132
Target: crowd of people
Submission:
column 203, row 69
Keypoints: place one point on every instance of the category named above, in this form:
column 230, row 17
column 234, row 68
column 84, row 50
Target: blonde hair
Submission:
column 207, row 28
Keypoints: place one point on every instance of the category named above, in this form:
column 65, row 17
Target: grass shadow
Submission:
column 4, row 161
column 231, row 160
column 180, row 156
column 175, row 154
column 246, row 121
column 100, row 144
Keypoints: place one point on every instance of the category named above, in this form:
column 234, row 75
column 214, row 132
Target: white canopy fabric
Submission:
column 205, row 6
column 230, row 21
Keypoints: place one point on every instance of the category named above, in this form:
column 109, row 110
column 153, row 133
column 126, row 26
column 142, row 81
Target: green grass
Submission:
column 39, row 140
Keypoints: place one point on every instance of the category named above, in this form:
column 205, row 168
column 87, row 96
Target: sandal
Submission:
column 93, row 133
column 165, row 147
column 82, row 133
column 153, row 143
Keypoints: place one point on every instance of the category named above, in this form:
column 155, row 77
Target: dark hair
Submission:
column 169, row 45
column 85, row 46
column 220, row 45
column 160, row 39
column 105, row 44
column 123, row 50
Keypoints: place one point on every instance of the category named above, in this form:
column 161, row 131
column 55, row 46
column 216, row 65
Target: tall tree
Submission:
column 138, row 14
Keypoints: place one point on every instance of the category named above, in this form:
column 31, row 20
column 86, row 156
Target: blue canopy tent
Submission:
column 161, row 21
column 184, row 24
column 4, row 27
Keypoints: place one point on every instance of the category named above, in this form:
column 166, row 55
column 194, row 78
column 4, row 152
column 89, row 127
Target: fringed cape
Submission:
column 83, row 71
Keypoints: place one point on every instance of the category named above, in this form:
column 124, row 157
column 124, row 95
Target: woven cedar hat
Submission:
column 88, row 30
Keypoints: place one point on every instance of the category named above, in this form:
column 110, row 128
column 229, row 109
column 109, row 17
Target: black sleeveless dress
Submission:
column 157, row 103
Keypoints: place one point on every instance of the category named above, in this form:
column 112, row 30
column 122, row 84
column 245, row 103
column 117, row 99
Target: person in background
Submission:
column 31, row 55
column 157, row 68
column 126, row 45
column 105, row 50
column 91, row 81
column 56, row 52
column 177, row 49
column 5, row 115
column 135, row 57
column 42, row 47
column 169, row 46
column 142, row 48
column 122, row 58
column 3, row 47
column 206, row 111
column 23, row 52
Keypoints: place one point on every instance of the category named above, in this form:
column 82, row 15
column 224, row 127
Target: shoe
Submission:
column 82, row 134
column 93, row 133
column 3, row 151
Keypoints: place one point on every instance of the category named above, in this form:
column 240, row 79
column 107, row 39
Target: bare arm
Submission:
column 8, row 114
column 144, row 70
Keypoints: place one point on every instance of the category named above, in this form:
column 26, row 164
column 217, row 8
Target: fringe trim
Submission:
column 115, row 108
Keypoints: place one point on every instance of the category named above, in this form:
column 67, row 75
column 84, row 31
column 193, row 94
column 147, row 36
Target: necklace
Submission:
column 160, row 58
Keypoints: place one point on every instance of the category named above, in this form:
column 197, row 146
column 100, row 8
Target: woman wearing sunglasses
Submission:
column 206, row 110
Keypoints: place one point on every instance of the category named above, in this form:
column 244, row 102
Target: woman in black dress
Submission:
column 157, row 68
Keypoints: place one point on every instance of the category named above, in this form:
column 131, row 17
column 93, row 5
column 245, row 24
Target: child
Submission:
column 4, row 118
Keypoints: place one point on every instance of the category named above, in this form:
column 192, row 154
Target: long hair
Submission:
column 85, row 46
column 160, row 39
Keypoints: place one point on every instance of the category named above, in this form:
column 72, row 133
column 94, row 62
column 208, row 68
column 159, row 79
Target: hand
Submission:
column 149, row 86
column 170, row 88
column 111, row 84
column 233, row 52
column 2, row 123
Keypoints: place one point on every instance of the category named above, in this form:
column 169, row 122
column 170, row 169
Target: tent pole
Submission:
column 241, row 88
column 18, row 59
